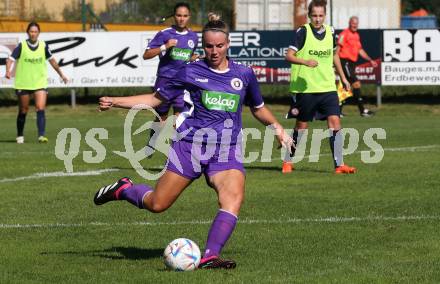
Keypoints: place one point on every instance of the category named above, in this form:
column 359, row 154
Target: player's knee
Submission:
column 154, row 205
column 301, row 125
column 232, row 200
column 24, row 109
column 334, row 122
column 158, row 207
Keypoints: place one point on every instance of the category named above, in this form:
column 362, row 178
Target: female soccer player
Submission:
column 313, row 81
column 215, row 90
column 31, row 78
column 175, row 46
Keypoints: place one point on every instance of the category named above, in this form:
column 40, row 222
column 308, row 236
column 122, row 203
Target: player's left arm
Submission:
column 265, row 116
column 365, row 56
column 338, row 66
column 195, row 55
column 57, row 68
column 54, row 63
column 337, row 61
column 254, row 100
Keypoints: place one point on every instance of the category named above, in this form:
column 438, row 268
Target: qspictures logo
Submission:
column 69, row 142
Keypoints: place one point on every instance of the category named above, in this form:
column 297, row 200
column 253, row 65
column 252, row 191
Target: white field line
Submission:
column 243, row 221
column 399, row 149
column 59, row 174
column 99, row 172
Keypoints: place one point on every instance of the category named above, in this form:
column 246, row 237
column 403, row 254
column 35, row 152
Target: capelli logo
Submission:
column 321, row 53
column 34, row 60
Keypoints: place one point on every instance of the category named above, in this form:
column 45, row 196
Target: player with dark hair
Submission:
column 313, row 81
column 175, row 46
column 215, row 90
column 31, row 79
column 349, row 48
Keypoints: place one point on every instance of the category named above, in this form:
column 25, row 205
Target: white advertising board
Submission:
column 411, row 57
column 98, row 59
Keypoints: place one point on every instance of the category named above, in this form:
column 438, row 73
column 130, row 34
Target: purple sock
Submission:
column 219, row 233
column 135, row 194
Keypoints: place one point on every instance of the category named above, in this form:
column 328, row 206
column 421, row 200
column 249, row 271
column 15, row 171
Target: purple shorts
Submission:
column 177, row 103
column 190, row 160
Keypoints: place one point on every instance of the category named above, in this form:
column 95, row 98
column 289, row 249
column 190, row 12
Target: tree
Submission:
column 148, row 11
column 72, row 12
column 41, row 14
column 432, row 6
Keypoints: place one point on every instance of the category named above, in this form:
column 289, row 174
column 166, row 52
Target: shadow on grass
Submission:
column 8, row 141
column 153, row 169
column 278, row 169
column 130, row 253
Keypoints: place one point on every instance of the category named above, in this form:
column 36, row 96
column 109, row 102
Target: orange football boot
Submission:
column 287, row 167
column 344, row 169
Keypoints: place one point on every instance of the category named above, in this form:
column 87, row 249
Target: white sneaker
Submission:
column 20, row 139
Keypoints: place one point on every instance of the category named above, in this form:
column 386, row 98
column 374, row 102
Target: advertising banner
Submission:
column 371, row 42
column 114, row 59
column 411, row 57
column 265, row 51
column 99, row 59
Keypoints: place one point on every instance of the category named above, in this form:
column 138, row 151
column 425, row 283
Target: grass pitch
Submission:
column 380, row 225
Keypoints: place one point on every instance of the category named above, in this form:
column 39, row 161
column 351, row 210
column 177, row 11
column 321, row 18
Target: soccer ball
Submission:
column 182, row 255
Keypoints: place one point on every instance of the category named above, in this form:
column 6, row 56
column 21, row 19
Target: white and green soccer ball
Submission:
column 182, row 255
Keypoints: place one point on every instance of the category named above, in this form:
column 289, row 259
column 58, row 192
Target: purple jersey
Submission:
column 213, row 101
column 175, row 57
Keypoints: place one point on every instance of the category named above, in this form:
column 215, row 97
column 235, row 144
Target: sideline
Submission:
column 371, row 219
column 60, row 174
column 99, row 172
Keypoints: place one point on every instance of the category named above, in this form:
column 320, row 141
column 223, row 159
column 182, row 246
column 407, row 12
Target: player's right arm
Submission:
column 298, row 44
column 152, row 52
column 169, row 91
column 158, row 45
column 14, row 56
column 291, row 57
column 8, row 68
column 140, row 101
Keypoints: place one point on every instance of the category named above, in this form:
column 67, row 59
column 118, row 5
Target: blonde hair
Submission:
column 213, row 17
column 215, row 24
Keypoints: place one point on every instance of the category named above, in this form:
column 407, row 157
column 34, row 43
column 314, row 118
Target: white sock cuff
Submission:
column 236, row 217
column 143, row 197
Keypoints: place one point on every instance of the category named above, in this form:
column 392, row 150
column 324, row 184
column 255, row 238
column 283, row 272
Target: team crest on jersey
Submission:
column 191, row 43
column 237, row 84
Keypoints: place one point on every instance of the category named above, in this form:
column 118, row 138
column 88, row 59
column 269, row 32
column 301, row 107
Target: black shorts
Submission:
column 20, row 92
column 349, row 68
column 310, row 104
